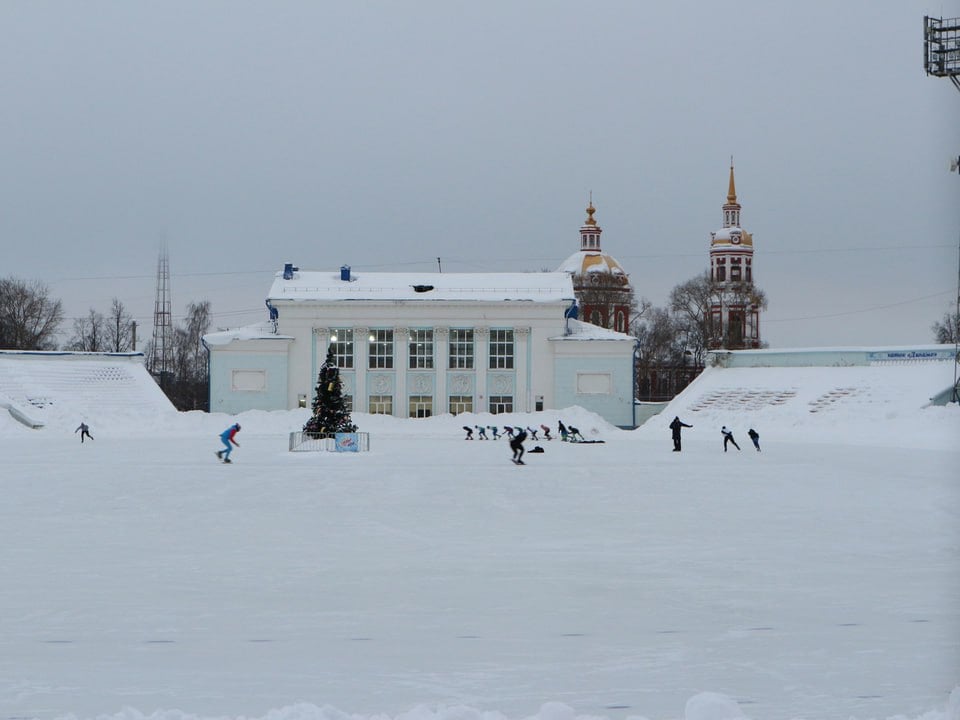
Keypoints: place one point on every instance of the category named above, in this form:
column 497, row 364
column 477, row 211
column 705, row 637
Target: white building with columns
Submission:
column 422, row 344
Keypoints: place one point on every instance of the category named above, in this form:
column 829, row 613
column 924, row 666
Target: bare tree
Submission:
column 189, row 387
column 119, row 328
column 29, row 317
column 690, row 303
column 89, row 333
column 948, row 330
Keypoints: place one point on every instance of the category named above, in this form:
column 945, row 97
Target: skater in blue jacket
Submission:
column 227, row 436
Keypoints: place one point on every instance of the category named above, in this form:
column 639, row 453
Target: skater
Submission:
column 84, row 431
column 495, row 430
column 728, row 438
column 533, row 433
column 675, row 427
column 575, row 435
column 755, row 436
column 509, row 431
column 562, row 429
column 469, row 432
column 482, row 432
column 546, row 432
column 517, row 446
column 227, row 436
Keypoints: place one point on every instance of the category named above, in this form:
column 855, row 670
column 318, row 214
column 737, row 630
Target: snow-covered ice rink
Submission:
column 431, row 578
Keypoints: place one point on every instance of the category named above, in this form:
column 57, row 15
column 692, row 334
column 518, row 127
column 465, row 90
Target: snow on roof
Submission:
column 584, row 261
column 258, row 331
column 580, row 330
column 469, row 287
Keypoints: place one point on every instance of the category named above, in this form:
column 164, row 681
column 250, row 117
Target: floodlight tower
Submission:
column 941, row 58
column 161, row 359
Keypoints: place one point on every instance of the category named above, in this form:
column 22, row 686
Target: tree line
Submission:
column 31, row 319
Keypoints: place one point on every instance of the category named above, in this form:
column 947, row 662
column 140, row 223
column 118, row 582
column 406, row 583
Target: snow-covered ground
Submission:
column 431, row 579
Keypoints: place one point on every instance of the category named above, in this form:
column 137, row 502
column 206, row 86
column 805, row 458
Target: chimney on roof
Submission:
column 288, row 270
column 345, row 273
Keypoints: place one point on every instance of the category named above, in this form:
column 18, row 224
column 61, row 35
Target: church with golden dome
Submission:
column 604, row 294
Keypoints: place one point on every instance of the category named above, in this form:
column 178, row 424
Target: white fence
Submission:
column 308, row 442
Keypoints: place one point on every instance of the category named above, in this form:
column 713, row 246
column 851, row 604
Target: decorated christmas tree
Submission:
column 330, row 414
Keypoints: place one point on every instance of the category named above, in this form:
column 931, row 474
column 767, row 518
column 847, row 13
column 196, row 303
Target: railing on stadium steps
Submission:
column 325, row 442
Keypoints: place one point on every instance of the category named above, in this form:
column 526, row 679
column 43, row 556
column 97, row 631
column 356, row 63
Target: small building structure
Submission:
column 420, row 344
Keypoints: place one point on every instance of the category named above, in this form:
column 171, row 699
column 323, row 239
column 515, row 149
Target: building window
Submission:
column 381, row 349
column 595, row 318
column 501, row 404
column 749, row 274
column 721, row 273
column 421, row 406
column 501, row 349
column 461, row 349
column 421, row 349
column 621, row 321
column 735, row 273
column 348, row 403
column 341, row 340
column 461, row 404
column 381, row 405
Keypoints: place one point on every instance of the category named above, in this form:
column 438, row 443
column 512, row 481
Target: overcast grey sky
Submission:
column 384, row 134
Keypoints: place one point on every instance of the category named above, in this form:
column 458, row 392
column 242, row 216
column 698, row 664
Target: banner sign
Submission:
column 347, row 442
column 920, row 354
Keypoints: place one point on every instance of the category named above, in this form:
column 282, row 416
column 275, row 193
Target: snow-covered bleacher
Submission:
column 59, row 389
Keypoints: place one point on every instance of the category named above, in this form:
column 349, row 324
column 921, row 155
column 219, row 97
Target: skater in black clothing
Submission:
column 516, row 444
column 562, row 429
column 728, row 438
column 469, row 432
column 755, row 436
column 546, row 432
column 675, row 427
column 84, row 431
column 574, row 434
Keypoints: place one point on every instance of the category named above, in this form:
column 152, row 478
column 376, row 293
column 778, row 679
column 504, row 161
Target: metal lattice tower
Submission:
column 161, row 359
column 941, row 58
column 941, row 48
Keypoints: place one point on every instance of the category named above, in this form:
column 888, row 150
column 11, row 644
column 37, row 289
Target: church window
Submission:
column 735, row 273
column 461, row 349
column 621, row 321
column 421, row 349
column 595, row 318
column 381, row 349
column 721, row 273
column 501, row 349
column 748, row 275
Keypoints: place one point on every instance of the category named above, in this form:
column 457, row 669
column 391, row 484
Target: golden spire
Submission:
column 732, row 190
column 590, row 211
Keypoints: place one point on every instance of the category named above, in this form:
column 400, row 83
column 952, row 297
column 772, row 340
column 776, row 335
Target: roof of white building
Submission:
column 257, row 331
column 579, row 330
column 465, row 287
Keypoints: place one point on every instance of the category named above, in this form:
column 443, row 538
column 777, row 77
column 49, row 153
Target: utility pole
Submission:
column 161, row 359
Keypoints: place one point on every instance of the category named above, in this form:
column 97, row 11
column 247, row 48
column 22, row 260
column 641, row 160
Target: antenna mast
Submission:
column 161, row 359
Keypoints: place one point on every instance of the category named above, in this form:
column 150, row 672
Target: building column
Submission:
column 481, row 363
column 441, row 345
column 401, row 354
column 361, row 354
column 521, row 341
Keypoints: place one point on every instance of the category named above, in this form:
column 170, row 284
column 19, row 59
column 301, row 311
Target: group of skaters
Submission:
column 727, row 433
column 567, row 433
